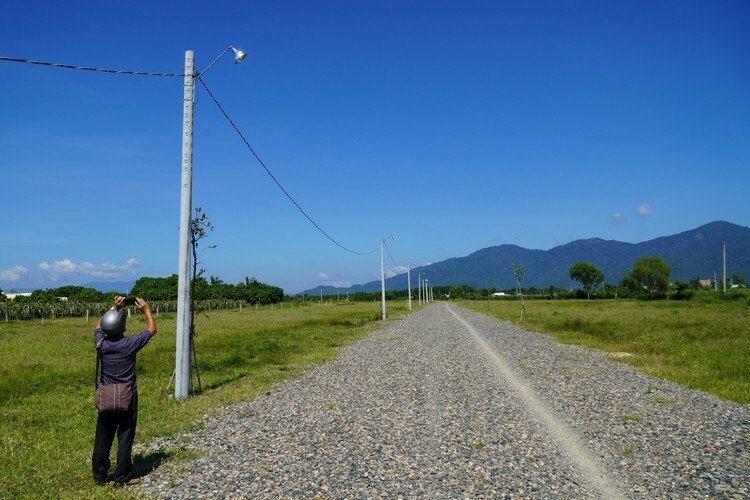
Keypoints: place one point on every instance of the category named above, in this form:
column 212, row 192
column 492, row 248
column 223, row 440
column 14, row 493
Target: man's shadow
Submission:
column 145, row 464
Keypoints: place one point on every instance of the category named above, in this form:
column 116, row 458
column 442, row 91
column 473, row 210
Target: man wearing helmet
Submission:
column 118, row 366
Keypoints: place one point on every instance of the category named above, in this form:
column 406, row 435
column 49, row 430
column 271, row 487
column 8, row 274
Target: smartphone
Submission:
column 129, row 301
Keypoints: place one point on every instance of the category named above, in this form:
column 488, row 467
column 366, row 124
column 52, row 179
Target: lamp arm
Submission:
column 199, row 73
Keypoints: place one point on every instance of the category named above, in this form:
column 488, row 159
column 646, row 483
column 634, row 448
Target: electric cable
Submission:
column 389, row 254
column 268, row 171
column 84, row 68
column 145, row 73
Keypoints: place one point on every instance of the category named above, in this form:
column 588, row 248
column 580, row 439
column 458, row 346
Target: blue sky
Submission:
column 452, row 125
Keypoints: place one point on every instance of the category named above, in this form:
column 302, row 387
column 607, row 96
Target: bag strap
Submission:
column 98, row 357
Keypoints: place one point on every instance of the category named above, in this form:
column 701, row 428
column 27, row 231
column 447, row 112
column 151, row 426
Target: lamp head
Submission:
column 239, row 56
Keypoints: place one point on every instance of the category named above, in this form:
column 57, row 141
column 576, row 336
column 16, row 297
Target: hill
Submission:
column 692, row 254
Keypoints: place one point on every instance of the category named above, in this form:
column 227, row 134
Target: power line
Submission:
column 389, row 254
column 145, row 73
column 231, row 122
column 84, row 68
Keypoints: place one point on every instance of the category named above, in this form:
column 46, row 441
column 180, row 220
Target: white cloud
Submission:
column 341, row 284
column 12, row 274
column 617, row 218
column 104, row 270
column 390, row 273
column 644, row 210
column 334, row 281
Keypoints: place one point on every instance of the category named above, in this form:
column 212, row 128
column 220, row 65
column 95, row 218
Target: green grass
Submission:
column 632, row 418
column 47, row 417
column 704, row 345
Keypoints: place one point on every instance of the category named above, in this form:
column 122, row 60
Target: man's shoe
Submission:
column 103, row 482
column 130, row 482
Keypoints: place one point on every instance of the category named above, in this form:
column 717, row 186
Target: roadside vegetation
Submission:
column 700, row 338
column 702, row 343
column 47, row 375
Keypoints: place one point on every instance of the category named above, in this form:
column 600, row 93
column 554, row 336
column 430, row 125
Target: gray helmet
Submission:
column 113, row 322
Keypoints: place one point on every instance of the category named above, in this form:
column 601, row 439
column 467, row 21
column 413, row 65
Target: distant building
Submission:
column 12, row 296
column 500, row 294
column 706, row 282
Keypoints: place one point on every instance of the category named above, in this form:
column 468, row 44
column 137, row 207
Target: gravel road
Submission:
column 447, row 403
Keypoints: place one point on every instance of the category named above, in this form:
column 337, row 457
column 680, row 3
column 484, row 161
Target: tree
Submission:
column 588, row 275
column 153, row 289
column 519, row 272
column 649, row 276
column 682, row 290
column 199, row 227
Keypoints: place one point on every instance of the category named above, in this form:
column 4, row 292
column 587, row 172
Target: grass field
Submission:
column 702, row 345
column 47, row 417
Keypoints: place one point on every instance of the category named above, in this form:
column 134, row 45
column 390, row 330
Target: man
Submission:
column 118, row 366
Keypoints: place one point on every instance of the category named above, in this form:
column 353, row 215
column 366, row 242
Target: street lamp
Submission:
column 382, row 276
column 239, row 56
column 182, row 357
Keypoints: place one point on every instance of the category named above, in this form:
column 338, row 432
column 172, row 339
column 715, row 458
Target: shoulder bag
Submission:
column 110, row 398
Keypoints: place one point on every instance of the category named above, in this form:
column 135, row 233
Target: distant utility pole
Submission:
column 408, row 282
column 725, row 267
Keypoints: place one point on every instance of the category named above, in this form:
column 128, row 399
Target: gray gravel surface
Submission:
column 447, row 403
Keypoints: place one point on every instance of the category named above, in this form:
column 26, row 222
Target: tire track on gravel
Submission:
column 567, row 441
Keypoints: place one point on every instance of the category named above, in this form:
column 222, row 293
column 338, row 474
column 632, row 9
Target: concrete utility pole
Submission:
column 408, row 282
column 182, row 354
column 382, row 279
column 183, row 338
column 382, row 274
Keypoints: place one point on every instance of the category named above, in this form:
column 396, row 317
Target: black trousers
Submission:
column 109, row 425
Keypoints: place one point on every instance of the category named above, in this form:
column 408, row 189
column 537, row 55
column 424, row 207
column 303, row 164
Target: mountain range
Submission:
column 697, row 253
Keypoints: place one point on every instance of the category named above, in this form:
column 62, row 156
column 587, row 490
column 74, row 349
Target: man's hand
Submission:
column 118, row 302
column 146, row 310
column 141, row 304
